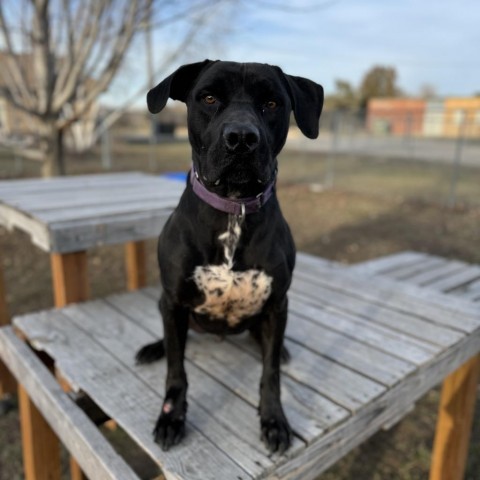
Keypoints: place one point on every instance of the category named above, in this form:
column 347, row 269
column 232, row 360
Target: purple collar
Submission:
column 234, row 206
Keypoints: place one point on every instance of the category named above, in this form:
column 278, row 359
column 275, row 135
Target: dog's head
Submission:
column 238, row 118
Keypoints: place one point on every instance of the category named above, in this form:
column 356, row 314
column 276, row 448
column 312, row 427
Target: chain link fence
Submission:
column 429, row 155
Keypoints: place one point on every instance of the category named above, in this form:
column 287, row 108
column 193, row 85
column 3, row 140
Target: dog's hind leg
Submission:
column 150, row 353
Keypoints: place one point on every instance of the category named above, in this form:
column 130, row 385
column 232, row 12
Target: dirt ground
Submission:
column 376, row 208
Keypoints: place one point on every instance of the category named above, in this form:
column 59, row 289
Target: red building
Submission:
column 397, row 116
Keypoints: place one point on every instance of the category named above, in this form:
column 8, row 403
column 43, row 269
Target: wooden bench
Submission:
column 363, row 348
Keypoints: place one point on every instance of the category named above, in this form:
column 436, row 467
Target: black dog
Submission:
column 226, row 254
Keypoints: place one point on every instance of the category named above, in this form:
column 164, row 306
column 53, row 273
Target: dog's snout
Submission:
column 240, row 137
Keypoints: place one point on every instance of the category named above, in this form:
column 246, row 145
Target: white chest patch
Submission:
column 231, row 295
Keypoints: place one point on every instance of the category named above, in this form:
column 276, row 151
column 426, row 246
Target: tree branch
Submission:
column 84, row 45
column 14, row 66
column 188, row 11
column 111, row 118
column 123, row 41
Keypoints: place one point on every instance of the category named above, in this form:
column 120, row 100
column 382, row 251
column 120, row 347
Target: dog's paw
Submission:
column 150, row 353
column 276, row 434
column 169, row 430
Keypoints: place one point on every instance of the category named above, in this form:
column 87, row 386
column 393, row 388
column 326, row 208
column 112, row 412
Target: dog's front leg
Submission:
column 276, row 432
column 170, row 427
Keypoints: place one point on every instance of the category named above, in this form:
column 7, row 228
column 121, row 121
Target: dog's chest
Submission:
column 231, row 295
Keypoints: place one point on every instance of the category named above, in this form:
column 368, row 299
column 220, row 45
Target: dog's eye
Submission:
column 271, row 105
column 209, row 99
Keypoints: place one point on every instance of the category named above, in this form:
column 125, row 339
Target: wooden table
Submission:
column 67, row 216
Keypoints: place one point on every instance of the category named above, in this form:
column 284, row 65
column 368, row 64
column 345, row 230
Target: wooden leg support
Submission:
column 135, row 260
column 7, row 382
column 40, row 444
column 76, row 472
column 70, row 283
column 41, row 449
column 457, row 405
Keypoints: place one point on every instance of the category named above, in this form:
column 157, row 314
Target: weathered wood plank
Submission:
column 398, row 322
column 90, row 195
column 80, row 436
column 123, row 396
column 38, row 231
column 357, row 356
column 395, row 419
column 468, row 295
column 377, row 336
column 388, row 263
column 457, row 280
column 406, row 271
column 100, row 211
column 396, row 296
column 334, row 313
column 456, row 300
column 81, row 235
column 315, row 260
column 442, row 271
column 474, row 286
column 70, row 200
column 23, row 186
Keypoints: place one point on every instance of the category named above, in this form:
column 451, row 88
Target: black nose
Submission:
column 240, row 137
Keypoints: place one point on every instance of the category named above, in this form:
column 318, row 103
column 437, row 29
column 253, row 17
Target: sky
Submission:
column 427, row 42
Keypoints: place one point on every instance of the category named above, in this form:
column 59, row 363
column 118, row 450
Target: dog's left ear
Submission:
column 175, row 86
column 307, row 103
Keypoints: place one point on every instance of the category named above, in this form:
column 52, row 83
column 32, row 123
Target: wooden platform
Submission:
column 440, row 274
column 71, row 214
column 363, row 351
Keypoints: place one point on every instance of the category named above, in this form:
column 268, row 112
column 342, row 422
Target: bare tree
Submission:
column 60, row 55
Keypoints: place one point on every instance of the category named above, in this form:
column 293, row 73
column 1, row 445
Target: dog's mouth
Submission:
column 239, row 176
column 236, row 174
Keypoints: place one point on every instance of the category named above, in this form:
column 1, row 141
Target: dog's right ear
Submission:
column 175, row 86
column 307, row 103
